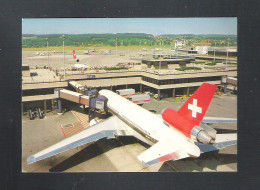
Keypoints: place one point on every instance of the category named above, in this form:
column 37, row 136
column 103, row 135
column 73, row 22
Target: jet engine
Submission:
column 203, row 133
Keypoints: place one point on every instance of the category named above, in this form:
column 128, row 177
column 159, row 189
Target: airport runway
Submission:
column 120, row 155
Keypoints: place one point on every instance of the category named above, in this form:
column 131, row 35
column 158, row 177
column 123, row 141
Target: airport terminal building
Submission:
column 165, row 84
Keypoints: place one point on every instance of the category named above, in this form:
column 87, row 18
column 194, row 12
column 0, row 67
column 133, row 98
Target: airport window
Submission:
column 182, row 80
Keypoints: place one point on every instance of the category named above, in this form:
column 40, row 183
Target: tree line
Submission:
column 122, row 39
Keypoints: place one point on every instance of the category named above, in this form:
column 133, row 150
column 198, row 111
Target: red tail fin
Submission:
column 196, row 107
column 74, row 54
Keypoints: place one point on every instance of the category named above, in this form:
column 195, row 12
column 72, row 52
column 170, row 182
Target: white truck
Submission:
column 139, row 99
column 126, row 92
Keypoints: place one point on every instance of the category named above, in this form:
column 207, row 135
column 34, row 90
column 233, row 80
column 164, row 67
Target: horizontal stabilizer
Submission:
column 219, row 120
column 222, row 141
column 167, row 150
column 160, row 152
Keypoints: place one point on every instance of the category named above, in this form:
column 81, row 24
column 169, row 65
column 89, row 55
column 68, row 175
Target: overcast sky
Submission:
column 154, row 26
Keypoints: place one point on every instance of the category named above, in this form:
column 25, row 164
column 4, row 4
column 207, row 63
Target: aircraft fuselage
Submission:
column 146, row 123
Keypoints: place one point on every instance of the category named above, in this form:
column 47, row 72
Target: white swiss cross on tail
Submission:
column 194, row 108
column 201, row 97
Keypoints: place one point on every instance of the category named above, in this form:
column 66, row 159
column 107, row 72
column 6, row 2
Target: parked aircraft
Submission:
column 74, row 54
column 174, row 135
column 82, row 66
column 40, row 53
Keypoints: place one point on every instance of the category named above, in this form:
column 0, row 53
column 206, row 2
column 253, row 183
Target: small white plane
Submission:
column 82, row 66
column 40, row 53
column 174, row 135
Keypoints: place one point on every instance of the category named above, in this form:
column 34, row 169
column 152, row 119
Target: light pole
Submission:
column 214, row 50
column 63, row 38
column 170, row 48
column 116, row 45
column 48, row 51
column 172, row 40
column 227, row 53
column 160, row 55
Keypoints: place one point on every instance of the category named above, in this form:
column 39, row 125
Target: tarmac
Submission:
column 55, row 60
column 96, row 59
column 120, row 154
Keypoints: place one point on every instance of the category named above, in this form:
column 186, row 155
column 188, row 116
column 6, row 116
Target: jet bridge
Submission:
column 71, row 96
column 78, row 87
column 91, row 100
column 232, row 80
column 83, row 89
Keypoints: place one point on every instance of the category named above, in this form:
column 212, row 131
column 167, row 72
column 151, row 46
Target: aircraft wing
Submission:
column 162, row 151
column 219, row 120
column 167, row 150
column 109, row 128
column 222, row 141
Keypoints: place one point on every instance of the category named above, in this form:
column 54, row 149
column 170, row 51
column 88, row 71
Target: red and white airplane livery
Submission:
column 74, row 54
column 173, row 135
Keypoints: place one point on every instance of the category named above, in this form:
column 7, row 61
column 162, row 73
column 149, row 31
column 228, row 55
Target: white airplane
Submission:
column 84, row 66
column 174, row 135
column 40, row 53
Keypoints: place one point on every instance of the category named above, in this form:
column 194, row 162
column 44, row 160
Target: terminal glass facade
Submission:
column 182, row 80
